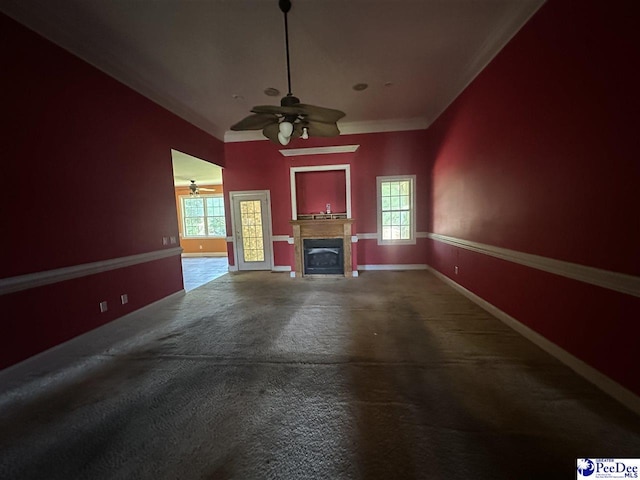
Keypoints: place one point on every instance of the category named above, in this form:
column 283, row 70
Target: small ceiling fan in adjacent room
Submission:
column 291, row 119
column 194, row 189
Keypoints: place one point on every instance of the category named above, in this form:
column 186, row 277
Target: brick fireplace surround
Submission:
column 320, row 229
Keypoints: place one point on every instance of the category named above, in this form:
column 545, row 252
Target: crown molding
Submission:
column 379, row 126
column 52, row 24
column 247, row 136
column 518, row 14
column 346, row 128
column 296, row 152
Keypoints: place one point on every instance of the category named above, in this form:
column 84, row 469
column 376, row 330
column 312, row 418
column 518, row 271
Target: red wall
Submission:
column 259, row 165
column 315, row 189
column 87, row 177
column 539, row 155
column 39, row 318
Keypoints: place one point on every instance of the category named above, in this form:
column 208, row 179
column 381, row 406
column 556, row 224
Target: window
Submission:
column 396, row 210
column 203, row 216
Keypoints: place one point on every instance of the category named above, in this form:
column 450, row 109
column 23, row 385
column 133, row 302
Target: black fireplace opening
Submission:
column 323, row 256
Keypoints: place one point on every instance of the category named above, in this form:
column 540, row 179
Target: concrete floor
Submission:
column 392, row 375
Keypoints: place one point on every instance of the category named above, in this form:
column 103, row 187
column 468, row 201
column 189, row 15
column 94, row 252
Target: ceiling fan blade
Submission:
column 271, row 132
column 277, row 110
column 321, row 114
column 319, row 129
column 205, row 189
column 255, row 122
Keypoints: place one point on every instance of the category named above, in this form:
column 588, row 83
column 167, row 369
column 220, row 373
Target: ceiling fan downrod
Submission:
column 285, row 6
column 291, row 119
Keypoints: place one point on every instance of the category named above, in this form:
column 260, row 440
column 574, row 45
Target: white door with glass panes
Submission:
column 252, row 230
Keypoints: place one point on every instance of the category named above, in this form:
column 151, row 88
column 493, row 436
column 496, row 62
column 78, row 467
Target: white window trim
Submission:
column 184, row 225
column 393, row 178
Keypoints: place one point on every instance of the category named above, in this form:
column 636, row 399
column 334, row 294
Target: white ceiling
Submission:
column 194, row 56
column 187, row 168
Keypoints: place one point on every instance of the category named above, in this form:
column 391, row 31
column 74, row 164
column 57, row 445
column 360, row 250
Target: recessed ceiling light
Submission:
column 271, row 92
column 358, row 87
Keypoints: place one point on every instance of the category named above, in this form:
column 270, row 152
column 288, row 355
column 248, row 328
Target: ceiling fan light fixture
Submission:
column 193, row 189
column 284, row 140
column 286, row 128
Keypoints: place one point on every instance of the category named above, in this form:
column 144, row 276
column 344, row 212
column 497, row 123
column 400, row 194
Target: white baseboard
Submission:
column 281, row 268
column 233, row 268
column 205, row 254
column 609, row 386
column 402, row 266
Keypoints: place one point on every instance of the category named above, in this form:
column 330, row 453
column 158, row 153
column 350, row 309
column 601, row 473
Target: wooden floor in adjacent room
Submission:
column 392, row 375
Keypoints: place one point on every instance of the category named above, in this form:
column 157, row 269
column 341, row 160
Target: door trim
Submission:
column 268, row 242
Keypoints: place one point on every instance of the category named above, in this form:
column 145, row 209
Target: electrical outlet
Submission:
column 172, row 240
column 124, row 298
column 455, row 269
column 103, row 307
column 165, row 240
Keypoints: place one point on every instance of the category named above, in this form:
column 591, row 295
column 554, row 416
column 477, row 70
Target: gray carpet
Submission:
column 392, row 375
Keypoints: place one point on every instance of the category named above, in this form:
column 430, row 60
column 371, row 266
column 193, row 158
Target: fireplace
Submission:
column 323, row 256
column 335, row 231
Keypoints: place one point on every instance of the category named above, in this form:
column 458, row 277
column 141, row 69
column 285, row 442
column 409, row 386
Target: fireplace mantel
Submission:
column 325, row 228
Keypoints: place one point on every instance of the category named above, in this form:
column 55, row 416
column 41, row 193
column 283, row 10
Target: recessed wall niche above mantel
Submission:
column 321, row 205
column 320, row 190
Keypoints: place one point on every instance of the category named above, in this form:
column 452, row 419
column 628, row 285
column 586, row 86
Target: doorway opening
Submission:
column 200, row 207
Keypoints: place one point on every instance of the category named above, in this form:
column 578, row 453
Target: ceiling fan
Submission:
column 195, row 189
column 291, row 119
